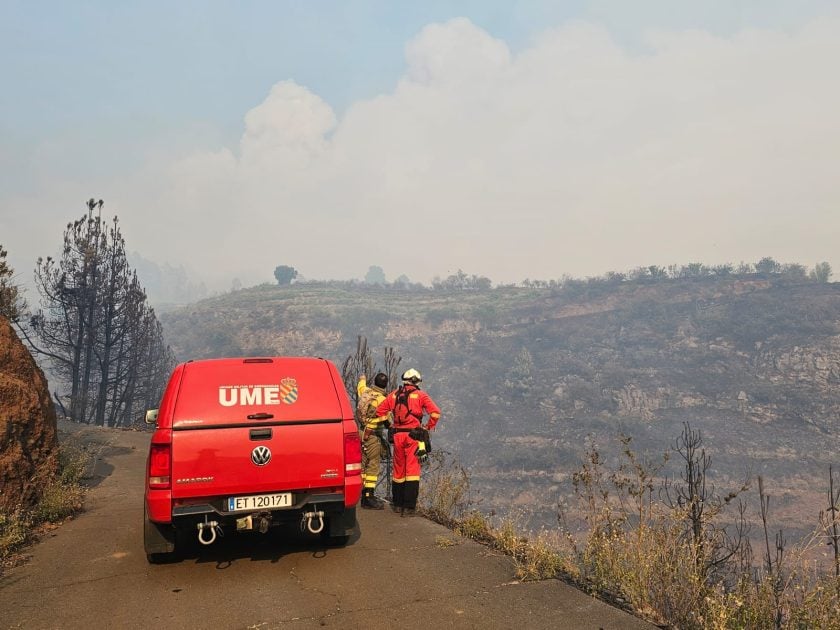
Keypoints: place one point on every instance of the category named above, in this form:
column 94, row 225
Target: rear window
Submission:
column 255, row 391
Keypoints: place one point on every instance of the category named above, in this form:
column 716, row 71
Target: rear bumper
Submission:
column 303, row 502
column 340, row 519
column 162, row 508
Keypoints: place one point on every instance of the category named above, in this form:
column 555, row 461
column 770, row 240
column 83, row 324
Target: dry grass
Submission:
column 445, row 541
column 637, row 553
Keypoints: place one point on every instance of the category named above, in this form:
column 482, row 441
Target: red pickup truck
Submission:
column 246, row 444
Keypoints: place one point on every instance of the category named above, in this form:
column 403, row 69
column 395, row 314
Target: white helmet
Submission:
column 412, row 376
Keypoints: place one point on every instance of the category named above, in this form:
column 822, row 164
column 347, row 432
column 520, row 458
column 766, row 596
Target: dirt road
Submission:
column 399, row 573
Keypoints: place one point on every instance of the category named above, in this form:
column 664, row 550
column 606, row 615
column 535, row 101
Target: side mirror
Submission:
column 151, row 416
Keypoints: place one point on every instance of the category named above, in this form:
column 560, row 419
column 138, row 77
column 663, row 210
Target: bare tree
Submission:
column 61, row 326
column 701, row 504
column 354, row 366
column 94, row 325
column 772, row 561
column 392, row 362
column 828, row 519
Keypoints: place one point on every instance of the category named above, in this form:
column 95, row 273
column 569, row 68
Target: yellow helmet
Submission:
column 412, row 376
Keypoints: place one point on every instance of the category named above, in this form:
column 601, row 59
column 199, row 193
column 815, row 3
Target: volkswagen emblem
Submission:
column 261, row 455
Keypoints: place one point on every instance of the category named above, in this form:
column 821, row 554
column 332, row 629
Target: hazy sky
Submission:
column 509, row 139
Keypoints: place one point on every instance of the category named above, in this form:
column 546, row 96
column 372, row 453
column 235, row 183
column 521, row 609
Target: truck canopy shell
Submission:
column 247, row 392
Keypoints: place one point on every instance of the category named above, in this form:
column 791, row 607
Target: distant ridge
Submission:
column 525, row 375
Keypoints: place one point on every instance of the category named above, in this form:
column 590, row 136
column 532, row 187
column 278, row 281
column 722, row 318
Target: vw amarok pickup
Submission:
column 246, row 444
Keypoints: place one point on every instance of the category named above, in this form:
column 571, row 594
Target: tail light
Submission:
column 352, row 454
column 160, row 466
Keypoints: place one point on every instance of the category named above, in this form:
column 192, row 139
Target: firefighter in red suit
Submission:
column 409, row 404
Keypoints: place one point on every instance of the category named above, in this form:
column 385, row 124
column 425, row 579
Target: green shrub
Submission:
column 57, row 502
column 61, row 497
column 14, row 529
column 74, row 460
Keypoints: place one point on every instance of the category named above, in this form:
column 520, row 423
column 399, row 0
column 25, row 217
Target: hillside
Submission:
column 525, row 376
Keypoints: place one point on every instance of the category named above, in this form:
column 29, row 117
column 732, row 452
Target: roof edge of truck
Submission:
column 260, row 359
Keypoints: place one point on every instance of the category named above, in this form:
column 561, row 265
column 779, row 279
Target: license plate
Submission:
column 260, row 502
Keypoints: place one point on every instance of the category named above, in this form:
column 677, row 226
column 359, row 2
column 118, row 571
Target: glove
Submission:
column 421, row 453
column 423, row 439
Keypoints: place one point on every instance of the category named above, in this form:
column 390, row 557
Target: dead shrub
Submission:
column 445, row 491
column 475, row 526
column 538, row 559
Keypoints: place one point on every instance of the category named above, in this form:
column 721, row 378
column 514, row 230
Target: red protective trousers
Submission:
column 414, row 404
column 406, row 464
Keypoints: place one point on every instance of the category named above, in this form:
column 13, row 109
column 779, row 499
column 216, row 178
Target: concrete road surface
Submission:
column 399, row 573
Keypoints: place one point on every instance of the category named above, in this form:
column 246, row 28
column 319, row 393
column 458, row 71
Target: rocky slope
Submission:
column 28, row 437
column 527, row 376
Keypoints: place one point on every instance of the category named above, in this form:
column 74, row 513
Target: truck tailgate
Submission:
column 221, row 461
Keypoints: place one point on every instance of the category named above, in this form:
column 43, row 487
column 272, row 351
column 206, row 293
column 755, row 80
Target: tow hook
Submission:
column 261, row 522
column 264, row 522
column 307, row 519
column 213, row 527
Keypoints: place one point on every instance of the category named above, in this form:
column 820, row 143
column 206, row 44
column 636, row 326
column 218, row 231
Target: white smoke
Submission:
column 575, row 155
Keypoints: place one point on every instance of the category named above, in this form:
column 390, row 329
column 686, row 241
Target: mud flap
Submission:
column 157, row 538
column 343, row 523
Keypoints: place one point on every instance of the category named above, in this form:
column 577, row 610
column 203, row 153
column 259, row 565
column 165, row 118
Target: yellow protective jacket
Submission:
column 369, row 399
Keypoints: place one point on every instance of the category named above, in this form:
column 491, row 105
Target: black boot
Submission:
column 370, row 501
column 410, row 492
column 397, row 491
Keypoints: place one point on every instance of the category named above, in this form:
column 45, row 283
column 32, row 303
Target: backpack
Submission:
column 366, row 408
column 401, row 400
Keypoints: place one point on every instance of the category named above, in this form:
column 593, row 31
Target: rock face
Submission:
column 28, row 438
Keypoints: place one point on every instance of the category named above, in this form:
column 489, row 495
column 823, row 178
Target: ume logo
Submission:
column 233, row 395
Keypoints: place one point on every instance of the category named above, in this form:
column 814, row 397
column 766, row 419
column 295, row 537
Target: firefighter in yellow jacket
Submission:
column 369, row 400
